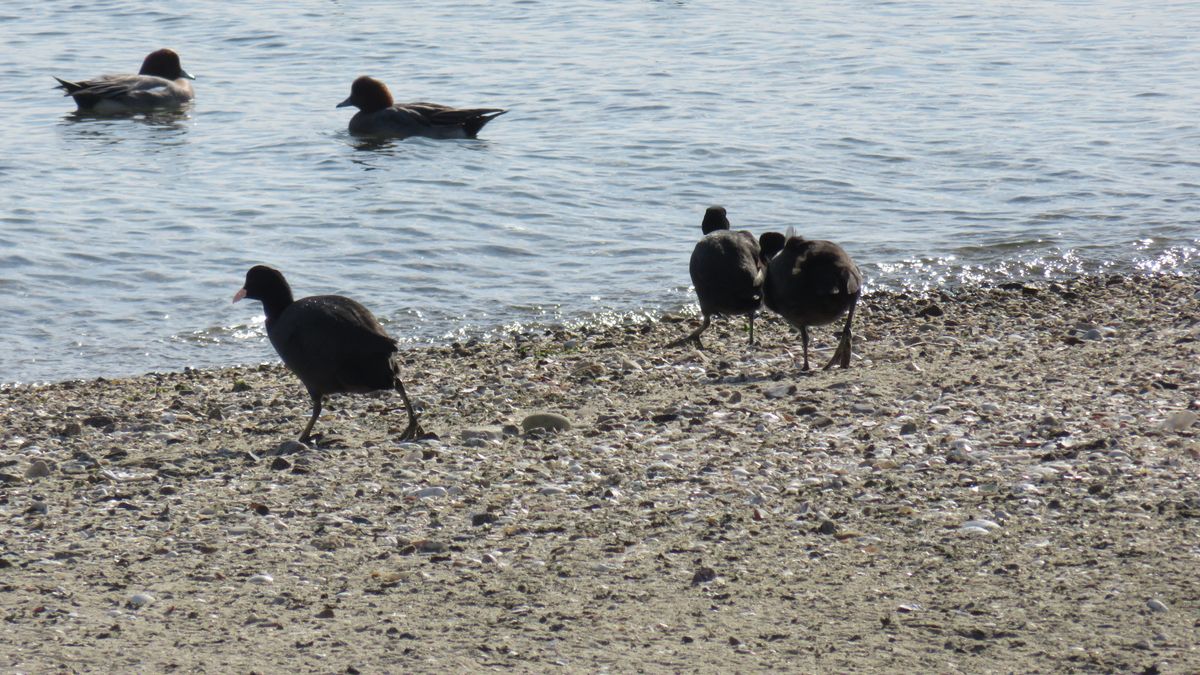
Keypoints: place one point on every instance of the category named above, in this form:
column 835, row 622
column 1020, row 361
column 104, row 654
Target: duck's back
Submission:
column 116, row 93
column 423, row 119
column 727, row 272
column 334, row 345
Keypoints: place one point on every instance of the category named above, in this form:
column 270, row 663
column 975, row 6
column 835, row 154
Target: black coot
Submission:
column 727, row 271
column 812, row 283
column 332, row 343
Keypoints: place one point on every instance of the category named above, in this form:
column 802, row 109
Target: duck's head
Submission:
column 368, row 95
column 164, row 63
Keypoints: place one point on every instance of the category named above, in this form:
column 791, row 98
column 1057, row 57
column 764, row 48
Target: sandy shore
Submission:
column 1005, row 481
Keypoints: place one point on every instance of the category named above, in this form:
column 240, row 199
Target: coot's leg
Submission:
column 312, row 420
column 695, row 336
column 414, row 429
column 842, row 355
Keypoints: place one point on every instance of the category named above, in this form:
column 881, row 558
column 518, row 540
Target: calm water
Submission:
column 938, row 142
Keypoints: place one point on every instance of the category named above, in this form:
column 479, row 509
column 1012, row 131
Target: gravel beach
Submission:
column 1005, row 481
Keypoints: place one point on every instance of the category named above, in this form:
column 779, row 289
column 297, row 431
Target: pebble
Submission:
column 429, row 492
column 1156, row 605
column 1093, row 334
column 985, row 524
column 481, row 434
column 973, row 529
column 1176, row 421
column 552, row 490
column 545, row 420
column 261, row 579
column 38, row 469
column 73, row 466
column 779, row 390
column 139, row 600
column 291, row 447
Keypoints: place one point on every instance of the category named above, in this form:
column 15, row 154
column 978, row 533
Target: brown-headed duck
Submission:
column 812, row 283
column 334, row 344
column 378, row 115
column 728, row 271
column 161, row 84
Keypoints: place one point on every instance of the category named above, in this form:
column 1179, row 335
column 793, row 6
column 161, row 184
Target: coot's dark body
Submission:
column 812, row 283
column 727, row 272
column 332, row 343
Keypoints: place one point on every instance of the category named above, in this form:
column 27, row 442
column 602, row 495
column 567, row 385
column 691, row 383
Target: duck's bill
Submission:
column 239, row 295
column 187, row 75
column 344, row 104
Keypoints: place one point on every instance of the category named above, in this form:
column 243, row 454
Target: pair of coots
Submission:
column 807, row 282
column 333, row 343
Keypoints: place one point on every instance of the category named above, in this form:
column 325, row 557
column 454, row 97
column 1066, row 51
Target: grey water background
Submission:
column 939, row 142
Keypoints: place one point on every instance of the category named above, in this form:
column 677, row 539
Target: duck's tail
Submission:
column 69, row 87
column 472, row 126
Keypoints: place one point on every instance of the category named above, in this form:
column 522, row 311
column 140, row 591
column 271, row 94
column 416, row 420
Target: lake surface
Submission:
column 939, row 143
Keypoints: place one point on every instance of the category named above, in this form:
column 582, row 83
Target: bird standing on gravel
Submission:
column 812, row 283
column 332, row 343
column 727, row 270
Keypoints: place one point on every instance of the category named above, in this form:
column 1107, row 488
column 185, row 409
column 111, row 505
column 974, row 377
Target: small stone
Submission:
column 908, row 428
column 261, row 579
column 479, row 519
column 703, row 576
column 545, row 420
column 862, row 409
column 779, row 390
column 828, row 527
column 291, row 447
column 1093, row 334
column 821, row 421
column 140, row 600
column 1156, row 605
column 931, row 310
column 38, row 469
column 71, row 429
column 985, row 524
column 430, row 546
column 1176, row 421
column 280, row 464
column 552, row 490
column 429, row 492
column 481, row 434
column 99, row 421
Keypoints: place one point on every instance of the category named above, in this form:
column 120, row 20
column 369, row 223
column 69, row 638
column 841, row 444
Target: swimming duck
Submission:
column 378, row 115
column 161, row 84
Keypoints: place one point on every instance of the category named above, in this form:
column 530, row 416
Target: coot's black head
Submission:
column 267, row 285
column 368, row 95
column 164, row 63
column 714, row 219
column 770, row 243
